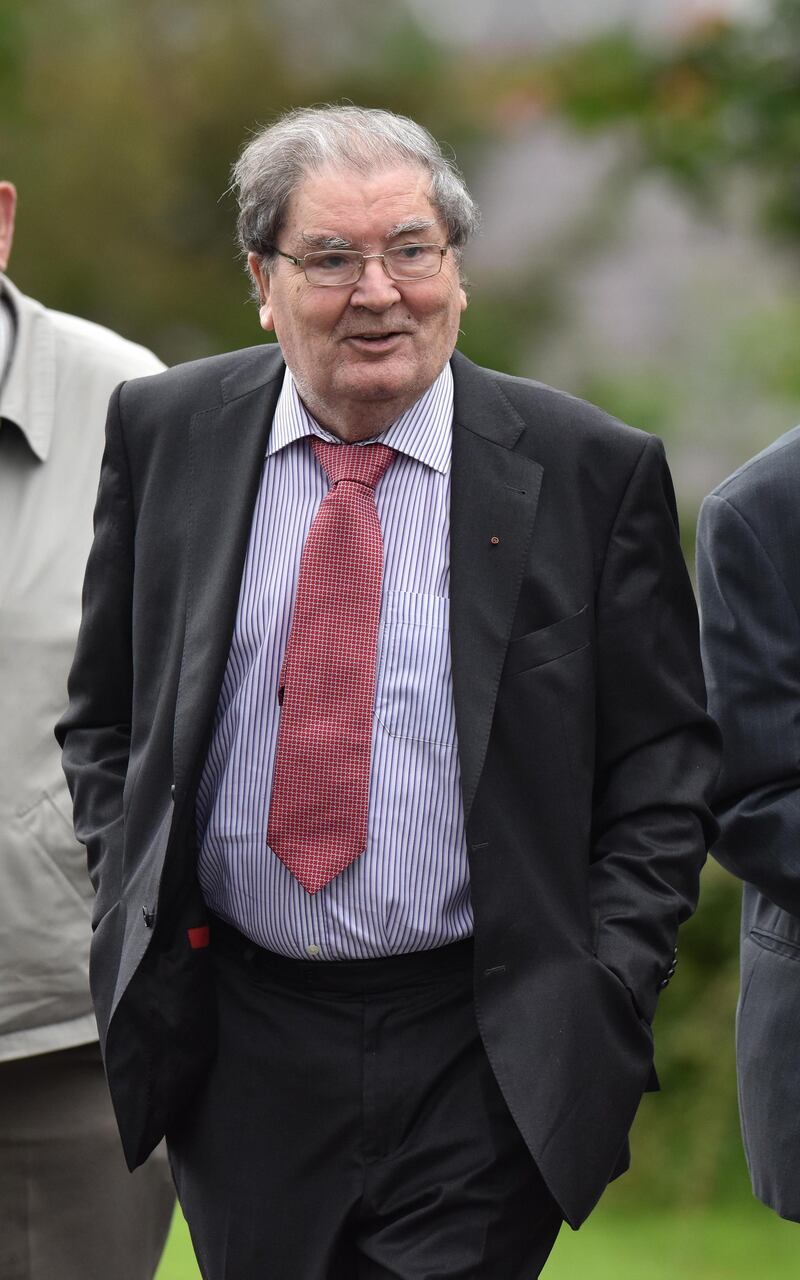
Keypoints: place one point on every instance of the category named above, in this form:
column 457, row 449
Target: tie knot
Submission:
column 364, row 463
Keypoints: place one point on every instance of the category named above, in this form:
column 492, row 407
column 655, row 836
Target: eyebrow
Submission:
column 411, row 224
column 322, row 241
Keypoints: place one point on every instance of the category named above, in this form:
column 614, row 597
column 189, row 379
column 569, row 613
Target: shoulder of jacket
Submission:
column 207, row 382
column 765, row 477
column 93, row 343
column 559, row 417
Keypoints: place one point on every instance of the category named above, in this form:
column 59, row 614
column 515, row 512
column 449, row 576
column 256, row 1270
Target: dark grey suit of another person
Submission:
column 748, row 566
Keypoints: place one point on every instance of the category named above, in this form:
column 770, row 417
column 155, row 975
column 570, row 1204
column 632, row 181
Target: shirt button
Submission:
column 312, row 949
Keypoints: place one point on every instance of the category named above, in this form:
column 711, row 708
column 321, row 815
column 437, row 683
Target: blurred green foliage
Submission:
column 768, row 341
column 723, row 102
column 726, row 95
column 120, row 120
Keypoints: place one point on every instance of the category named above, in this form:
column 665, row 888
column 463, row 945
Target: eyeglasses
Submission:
column 346, row 266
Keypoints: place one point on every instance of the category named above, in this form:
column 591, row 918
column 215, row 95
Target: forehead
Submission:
column 360, row 207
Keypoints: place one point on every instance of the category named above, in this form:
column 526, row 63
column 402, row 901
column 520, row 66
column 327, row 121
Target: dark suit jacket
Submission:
column 748, row 565
column 585, row 750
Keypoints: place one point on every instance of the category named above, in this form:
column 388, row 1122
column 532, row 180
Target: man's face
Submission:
column 361, row 353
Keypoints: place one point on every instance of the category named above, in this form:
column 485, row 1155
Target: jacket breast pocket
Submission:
column 548, row 643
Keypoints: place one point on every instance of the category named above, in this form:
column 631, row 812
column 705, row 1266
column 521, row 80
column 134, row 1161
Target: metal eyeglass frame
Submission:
column 356, row 254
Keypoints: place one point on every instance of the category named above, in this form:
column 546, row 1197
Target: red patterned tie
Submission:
column 320, row 788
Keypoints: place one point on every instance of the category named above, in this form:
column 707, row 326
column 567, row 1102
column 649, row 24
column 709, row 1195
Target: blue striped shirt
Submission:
column 409, row 890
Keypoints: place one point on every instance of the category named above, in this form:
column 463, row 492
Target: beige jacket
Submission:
column 53, row 403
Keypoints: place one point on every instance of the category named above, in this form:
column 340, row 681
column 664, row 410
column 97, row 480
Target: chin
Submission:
column 379, row 389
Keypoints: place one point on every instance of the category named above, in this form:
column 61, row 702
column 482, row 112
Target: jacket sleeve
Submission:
column 751, row 652
column 95, row 730
column 657, row 748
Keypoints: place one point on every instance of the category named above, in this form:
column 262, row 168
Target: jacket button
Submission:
column 148, row 917
column 663, row 983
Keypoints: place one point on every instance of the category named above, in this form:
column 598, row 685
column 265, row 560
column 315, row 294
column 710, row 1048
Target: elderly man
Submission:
column 387, row 743
column 69, row 1209
column 748, row 574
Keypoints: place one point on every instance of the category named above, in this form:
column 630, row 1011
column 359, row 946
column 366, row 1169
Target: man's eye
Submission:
column 410, row 251
column 332, row 262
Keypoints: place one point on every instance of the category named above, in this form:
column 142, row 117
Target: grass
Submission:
column 178, row 1262
column 733, row 1242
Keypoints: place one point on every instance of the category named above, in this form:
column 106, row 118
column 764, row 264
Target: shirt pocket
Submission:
column 414, row 695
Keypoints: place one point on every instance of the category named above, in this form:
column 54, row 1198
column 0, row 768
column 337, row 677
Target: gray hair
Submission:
column 362, row 139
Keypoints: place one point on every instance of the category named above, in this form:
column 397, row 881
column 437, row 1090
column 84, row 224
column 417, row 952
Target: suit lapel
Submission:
column 493, row 502
column 227, row 446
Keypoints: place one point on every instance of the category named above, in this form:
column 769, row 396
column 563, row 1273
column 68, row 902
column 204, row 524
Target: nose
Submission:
column 375, row 290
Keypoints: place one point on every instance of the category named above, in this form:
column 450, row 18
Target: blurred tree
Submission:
column 724, row 98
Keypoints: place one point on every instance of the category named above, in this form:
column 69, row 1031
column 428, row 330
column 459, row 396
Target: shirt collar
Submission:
column 27, row 393
column 423, row 432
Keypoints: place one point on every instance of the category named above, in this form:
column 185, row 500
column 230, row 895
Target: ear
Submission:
column 462, row 298
column 262, row 283
column 8, row 205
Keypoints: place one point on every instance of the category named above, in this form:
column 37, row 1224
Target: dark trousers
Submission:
column 351, row 1129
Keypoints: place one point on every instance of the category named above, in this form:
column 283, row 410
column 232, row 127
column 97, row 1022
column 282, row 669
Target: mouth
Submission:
column 376, row 342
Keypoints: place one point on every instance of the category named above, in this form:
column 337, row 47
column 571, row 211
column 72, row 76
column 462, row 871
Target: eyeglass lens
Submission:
column 344, row 266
